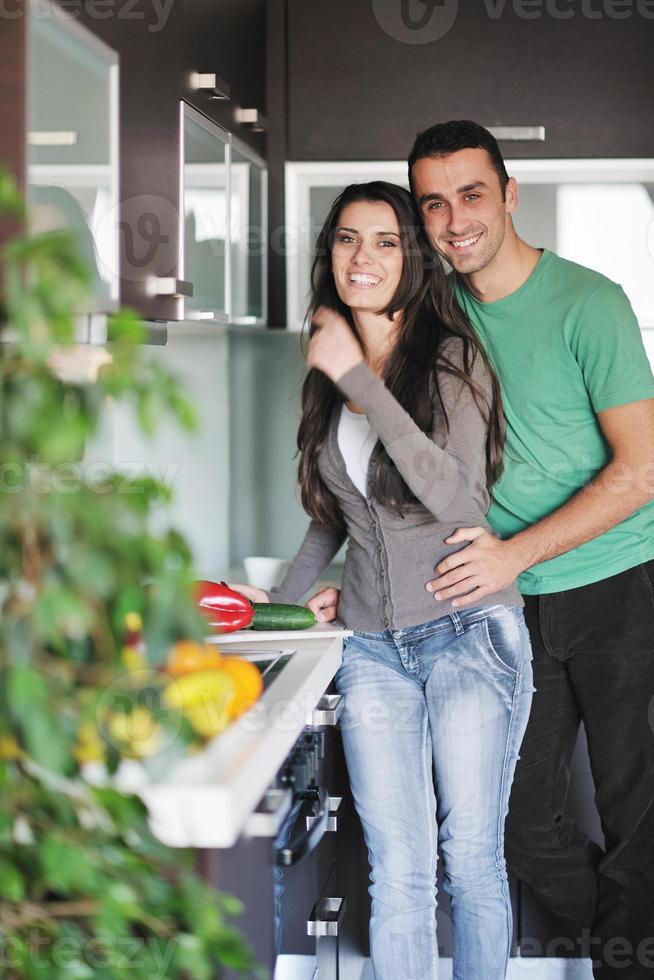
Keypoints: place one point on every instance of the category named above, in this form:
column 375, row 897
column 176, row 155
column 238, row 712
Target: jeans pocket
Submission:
column 504, row 641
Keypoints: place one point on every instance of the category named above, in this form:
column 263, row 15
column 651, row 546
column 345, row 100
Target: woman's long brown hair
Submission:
column 429, row 316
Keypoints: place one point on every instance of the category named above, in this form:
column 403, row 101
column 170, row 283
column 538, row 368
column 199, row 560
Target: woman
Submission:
column 400, row 440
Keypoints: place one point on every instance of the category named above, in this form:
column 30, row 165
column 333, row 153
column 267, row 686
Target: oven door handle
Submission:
column 303, row 845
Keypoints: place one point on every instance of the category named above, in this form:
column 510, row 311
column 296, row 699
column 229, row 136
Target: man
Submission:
column 573, row 517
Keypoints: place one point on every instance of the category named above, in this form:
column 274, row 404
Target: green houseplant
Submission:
column 85, row 890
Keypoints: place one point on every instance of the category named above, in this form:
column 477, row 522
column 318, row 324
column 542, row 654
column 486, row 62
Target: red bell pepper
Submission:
column 225, row 609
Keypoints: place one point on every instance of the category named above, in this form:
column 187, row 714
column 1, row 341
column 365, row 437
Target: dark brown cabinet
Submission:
column 227, row 37
column 160, row 48
column 358, row 79
column 305, row 887
column 365, row 77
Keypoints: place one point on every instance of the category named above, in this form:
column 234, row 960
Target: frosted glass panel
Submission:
column 599, row 213
column 248, row 236
column 605, row 226
column 72, row 173
column 206, row 189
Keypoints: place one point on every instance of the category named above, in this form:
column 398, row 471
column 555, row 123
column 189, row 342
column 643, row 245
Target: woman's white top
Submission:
column 356, row 441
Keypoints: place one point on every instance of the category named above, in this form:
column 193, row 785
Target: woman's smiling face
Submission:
column 367, row 255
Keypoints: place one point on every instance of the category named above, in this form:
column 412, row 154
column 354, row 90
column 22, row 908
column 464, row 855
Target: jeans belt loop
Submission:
column 456, row 623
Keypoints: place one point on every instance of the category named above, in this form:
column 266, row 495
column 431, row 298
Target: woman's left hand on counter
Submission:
column 333, row 349
column 324, row 604
column 250, row 592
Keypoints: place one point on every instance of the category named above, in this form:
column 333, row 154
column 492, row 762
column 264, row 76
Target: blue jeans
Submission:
column 454, row 694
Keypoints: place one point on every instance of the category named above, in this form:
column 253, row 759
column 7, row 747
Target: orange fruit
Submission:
column 248, row 681
column 187, row 657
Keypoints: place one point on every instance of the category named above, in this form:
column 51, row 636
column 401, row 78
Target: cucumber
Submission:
column 279, row 616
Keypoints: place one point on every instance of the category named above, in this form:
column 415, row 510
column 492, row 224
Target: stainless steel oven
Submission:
column 300, row 867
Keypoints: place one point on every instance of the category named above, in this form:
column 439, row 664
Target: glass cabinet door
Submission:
column 206, row 191
column 72, row 123
column 249, row 235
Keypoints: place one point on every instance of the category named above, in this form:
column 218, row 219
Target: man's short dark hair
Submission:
column 450, row 137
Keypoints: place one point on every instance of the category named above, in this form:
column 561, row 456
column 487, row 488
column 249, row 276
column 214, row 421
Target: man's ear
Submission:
column 511, row 195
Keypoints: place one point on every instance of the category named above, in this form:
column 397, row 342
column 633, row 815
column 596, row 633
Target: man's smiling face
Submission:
column 465, row 213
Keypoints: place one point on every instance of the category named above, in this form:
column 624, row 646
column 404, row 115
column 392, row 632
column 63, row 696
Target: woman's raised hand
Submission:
column 333, row 349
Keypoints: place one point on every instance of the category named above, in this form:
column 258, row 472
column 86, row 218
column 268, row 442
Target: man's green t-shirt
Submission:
column 565, row 346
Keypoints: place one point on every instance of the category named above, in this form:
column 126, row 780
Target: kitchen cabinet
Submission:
column 147, row 40
column 609, row 199
column 382, row 71
column 268, row 807
column 225, row 226
column 310, row 913
column 138, row 248
column 248, row 235
column 324, row 903
column 227, row 37
column 72, row 144
column 60, row 80
column 206, row 209
column 352, row 82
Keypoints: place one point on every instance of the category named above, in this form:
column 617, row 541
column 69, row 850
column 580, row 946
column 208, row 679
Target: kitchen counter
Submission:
column 208, row 799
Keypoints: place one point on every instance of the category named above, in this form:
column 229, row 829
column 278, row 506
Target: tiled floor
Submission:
column 303, row 968
column 522, row 969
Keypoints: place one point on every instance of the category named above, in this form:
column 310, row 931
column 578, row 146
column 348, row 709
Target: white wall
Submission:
column 196, row 465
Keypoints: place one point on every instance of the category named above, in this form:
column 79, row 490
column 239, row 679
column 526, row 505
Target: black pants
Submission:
column 593, row 660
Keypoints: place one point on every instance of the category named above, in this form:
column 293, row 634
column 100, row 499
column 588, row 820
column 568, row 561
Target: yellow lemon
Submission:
column 207, row 720
column 204, row 697
column 198, row 688
column 137, row 733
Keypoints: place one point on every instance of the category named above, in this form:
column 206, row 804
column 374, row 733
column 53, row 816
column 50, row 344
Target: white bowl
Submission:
column 265, row 572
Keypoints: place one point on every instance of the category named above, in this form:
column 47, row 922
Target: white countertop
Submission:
column 289, row 638
column 207, row 798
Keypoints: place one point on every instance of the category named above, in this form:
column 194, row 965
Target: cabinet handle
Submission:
column 167, row 286
column 518, row 132
column 326, row 917
column 297, row 849
column 212, row 83
column 251, row 117
column 332, row 819
column 328, row 710
column 268, row 817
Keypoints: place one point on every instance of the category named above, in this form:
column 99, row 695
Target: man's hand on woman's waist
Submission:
column 488, row 565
